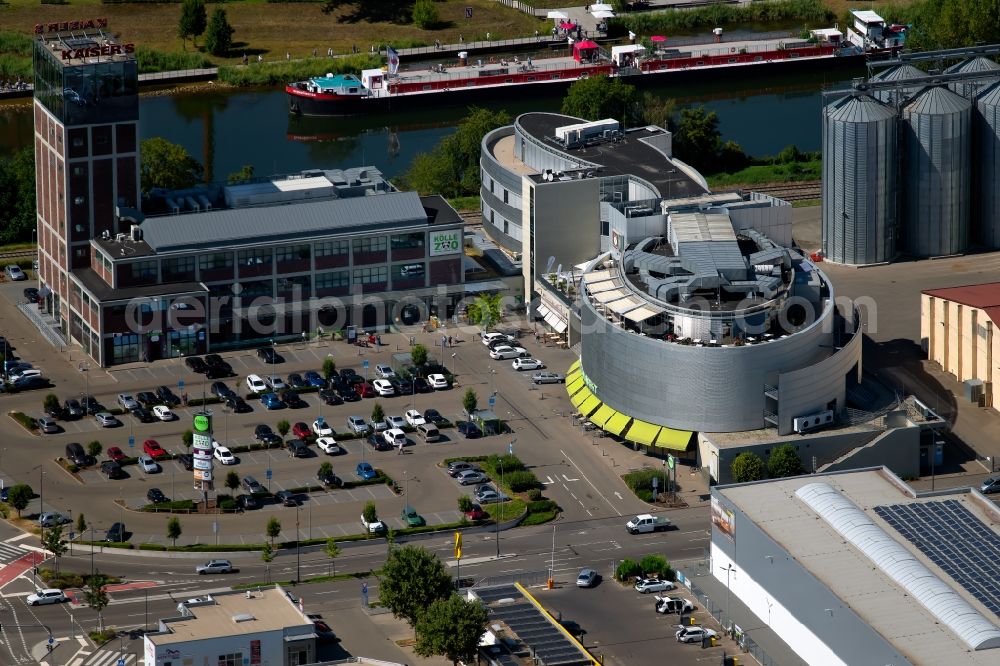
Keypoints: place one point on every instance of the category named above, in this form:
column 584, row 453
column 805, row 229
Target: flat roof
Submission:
column 629, row 157
column 439, row 211
column 852, row 575
column 264, row 610
column 985, row 296
column 84, row 45
column 94, row 284
column 503, row 151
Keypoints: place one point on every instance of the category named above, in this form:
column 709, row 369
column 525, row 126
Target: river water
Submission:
column 225, row 128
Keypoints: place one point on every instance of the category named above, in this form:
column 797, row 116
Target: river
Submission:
column 226, row 128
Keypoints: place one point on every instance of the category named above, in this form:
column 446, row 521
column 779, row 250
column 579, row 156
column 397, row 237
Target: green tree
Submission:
column 464, row 503
column 243, row 175
column 378, row 414
column 600, row 97
column 470, row 401
column 167, row 165
column 425, row 14
column 51, row 403
column 193, row 21
column 81, row 524
column 411, row 580
column 325, row 468
column 187, row 437
column 370, row 513
column 365, row 11
column 174, row 529
column 452, row 628
column 273, row 529
column 452, row 168
column 418, row 354
column 219, row 34
column 697, row 139
column 94, row 449
column 17, row 195
column 329, row 368
column 232, row 480
column 331, row 550
column 657, row 564
column 657, row 110
column 486, row 310
column 20, row 496
column 627, row 569
column 53, row 541
column 784, row 461
column 96, row 596
column 747, row 467
column 267, row 556
column 283, row 427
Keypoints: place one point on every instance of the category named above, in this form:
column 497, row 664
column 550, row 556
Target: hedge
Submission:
column 176, row 505
column 26, row 421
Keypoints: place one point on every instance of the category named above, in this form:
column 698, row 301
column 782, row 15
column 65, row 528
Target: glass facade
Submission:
column 100, row 91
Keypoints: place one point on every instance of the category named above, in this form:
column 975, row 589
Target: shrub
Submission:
column 521, row 481
column 627, row 569
column 747, row 467
column 425, row 14
column 262, row 74
column 641, row 482
column 227, row 505
column 534, row 494
column 149, row 60
column 25, row 420
column 657, row 564
column 784, row 461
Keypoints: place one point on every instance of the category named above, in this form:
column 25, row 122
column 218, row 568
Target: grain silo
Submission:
column 936, row 172
column 898, row 73
column 970, row 89
column 986, row 121
column 860, row 220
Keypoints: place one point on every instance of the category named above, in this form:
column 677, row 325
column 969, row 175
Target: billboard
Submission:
column 722, row 518
column 445, row 242
column 202, row 449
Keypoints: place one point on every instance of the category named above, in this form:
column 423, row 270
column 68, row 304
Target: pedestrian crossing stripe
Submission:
column 110, row 659
column 9, row 553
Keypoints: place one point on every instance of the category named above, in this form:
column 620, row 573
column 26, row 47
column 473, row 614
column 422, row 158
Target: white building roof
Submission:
column 867, row 16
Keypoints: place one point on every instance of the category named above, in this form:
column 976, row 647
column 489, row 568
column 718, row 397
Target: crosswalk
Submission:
column 10, row 552
column 110, row 658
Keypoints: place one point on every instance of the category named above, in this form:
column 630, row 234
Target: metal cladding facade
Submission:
column 937, row 172
column 898, row 73
column 970, row 89
column 986, row 120
column 860, row 219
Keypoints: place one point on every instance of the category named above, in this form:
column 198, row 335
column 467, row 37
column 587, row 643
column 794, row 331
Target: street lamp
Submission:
column 298, row 538
column 729, row 569
column 497, row 518
column 85, row 369
column 41, row 497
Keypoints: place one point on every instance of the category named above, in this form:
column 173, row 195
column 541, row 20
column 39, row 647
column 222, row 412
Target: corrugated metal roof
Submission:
column 899, row 73
column 977, row 64
column 271, row 223
column 981, row 296
column 937, row 101
column 990, row 96
column 859, row 109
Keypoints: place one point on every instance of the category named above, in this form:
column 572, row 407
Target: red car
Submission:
column 153, row 449
column 476, row 513
column 301, row 430
column 366, row 390
column 116, row 454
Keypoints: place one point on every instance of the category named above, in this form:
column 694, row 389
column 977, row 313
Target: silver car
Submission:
column 470, row 477
column 127, row 402
column 47, row 425
column 548, row 378
column 105, row 420
column 214, row 566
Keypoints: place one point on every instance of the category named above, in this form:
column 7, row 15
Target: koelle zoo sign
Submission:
column 445, row 242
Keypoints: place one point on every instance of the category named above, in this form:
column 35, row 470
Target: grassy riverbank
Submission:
column 760, row 174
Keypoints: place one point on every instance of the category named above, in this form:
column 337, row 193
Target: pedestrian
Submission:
column 536, row 35
column 400, row 449
column 329, row 52
column 449, row 341
column 314, row 53
column 260, row 58
column 487, row 36
column 245, row 59
column 461, row 40
column 288, row 56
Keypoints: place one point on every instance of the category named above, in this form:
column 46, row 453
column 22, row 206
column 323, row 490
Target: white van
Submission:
column 428, row 432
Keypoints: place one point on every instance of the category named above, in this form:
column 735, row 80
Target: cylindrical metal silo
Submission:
column 898, row 73
column 987, row 176
column 937, row 172
column 859, row 180
column 970, row 89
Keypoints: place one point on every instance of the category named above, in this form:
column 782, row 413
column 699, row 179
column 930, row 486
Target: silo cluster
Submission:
column 914, row 169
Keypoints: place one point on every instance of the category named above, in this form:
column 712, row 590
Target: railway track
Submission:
column 791, row 191
column 18, row 254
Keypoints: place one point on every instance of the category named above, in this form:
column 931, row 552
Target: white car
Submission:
column 647, row 585
column 395, row 422
column 384, row 371
column 501, row 353
column 321, row 428
column 673, row 605
column 255, row 384
column 415, row 418
column 163, row 413
column 694, row 634
column 437, row 382
column 527, row 364
column 47, row 596
column 224, row 455
column 487, row 338
column 328, row 445
column 395, row 437
column 384, row 388
column 148, row 465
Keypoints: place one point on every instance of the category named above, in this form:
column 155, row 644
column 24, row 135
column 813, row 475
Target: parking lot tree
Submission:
column 232, row 480
column 470, row 401
column 332, row 550
column 81, row 524
column 219, row 34
column 273, row 529
column 54, row 542
column 486, row 310
column 411, row 579
column 627, row 569
column 188, row 438
column 747, row 467
column 19, row 497
column 451, row 628
column 96, row 596
column 283, row 427
column 658, row 565
column 370, row 513
column 325, row 469
column 418, row 354
column 329, row 368
column 784, row 461
column 378, row 414
column 51, row 403
column 94, row 449
column 464, row 503
column 174, row 529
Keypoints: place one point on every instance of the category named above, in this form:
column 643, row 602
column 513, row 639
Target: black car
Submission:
column 348, row 394
column 187, row 460
column 402, row 386
column 329, row 479
column 156, row 496
column 434, row 416
column 196, row 364
column 116, row 534
column 31, row 294
column 286, row 498
column 72, row 409
column 265, row 435
column 147, row 399
column 167, row 397
column 330, row 397
column 215, row 361
column 91, row 405
column 420, row 385
column 112, row 470
column 469, row 429
column 346, row 374
column 292, row 399
column 221, row 391
column 238, row 404
column 295, row 381
column 55, row 411
column 247, row 502
column 76, row 454
column 215, row 372
column 269, row 355
column 377, row 442
column 143, row 414
column 297, row 448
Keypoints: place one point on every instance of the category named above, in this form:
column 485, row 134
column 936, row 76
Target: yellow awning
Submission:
column 590, row 405
column 602, row 415
column 573, row 376
column 617, row 423
column 583, row 394
column 676, row 440
column 573, row 386
column 643, row 432
column 574, row 366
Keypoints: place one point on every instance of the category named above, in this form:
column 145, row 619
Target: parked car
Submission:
column 167, row 397
column 456, row 467
column 384, row 371
column 357, row 425
column 395, row 421
column 321, row 428
column 402, row 386
column 76, row 455
column 695, row 634
column 15, row 273
column 276, row 382
column 435, row 417
column 587, row 578
column 286, row 498
column 263, row 434
column 46, row 596
column 648, row 585
column 47, row 425
column 152, row 448
column 246, row 502
column 147, row 399
column 269, row 355
column 52, row 518
column 437, row 381
column 384, row 388
column 313, row 378
column 292, row 398
column 116, row 533
column 521, row 364
column 156, row 496
column 471, row 477
column 330, row 397
column 271, row 401
column 196, row 364
column 410, row 516
column 255, row 384
column 394, row 437
column 420, row 385
column 990, row 485
column 295, row 380
column 297, row 448
column 116, row 453
column 105, row 420
column 415, row 418
column 548, row 378
column 31, row 294
column 487, row 338
column 365, row 471
column 348, row 394
column 673, row 605
column 328, row 445
column 186, row 460
column 468, row 429
column 217, row 362
column 112, row 469
column 143, row 415
column 476, row 513
column 214, row 567
column 366, row 390
column 238, row 405
column 72, row 409
column 221, row 391
column 163, row 413
column 329, row 479
column 224, row 455
column 127, row 402
column 251, row 485
column 487, row 494
column 148, row 465
column 504, row 352
column 301, row 430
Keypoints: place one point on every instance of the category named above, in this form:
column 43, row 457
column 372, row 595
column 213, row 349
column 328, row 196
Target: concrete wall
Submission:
column 963, row 340
column 272, row 649
column 775, row 222
column 785, row 596
column 898, row 449
column 567, row 223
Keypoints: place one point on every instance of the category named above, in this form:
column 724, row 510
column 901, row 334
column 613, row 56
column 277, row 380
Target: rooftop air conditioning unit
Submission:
column 136, row 233
column 120, row 238
column 804, row 424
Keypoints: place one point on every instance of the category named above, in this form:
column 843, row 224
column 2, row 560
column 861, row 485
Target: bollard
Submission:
column 550, row 584
column 736, row 661
column 711, row 640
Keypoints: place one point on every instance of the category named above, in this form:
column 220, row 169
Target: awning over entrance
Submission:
column 676, row 440
column 581, row 396
column 573, row 367
column 643, row 432
column 553, row 320
column 542, row 311
column 608, row 296
column 602, row 415
column 574, row 385
column 617, row 423
column 590, row 405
